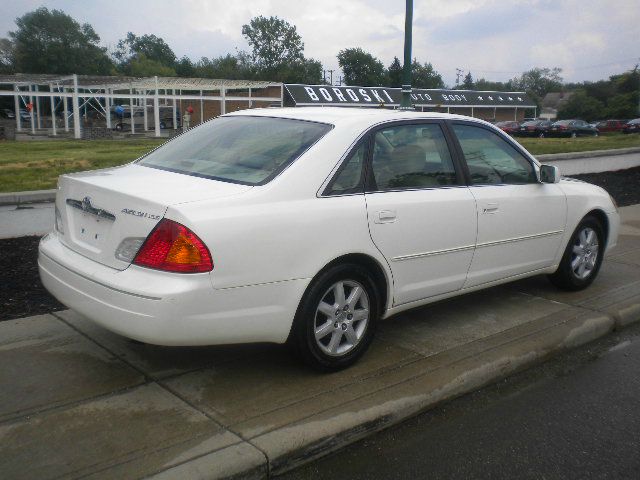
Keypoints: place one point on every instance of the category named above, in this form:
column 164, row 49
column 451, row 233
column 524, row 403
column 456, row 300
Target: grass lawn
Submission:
column 36, row 165
column 540, row 146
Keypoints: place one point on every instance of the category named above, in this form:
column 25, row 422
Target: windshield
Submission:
column 247, row 150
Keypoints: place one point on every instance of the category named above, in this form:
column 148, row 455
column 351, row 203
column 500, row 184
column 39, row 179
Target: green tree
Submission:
column 581, row 106
column 141, row 66
column 150, row 47
column 53, row 42
column 307, row 71
column 467, row 83
column 425, row 76
column 273, row 41
column 623, row 105
column 361, row 68
column 6, row 55
column 228, row 66
column 539, row 81
column 185, row 67
column 488, row 85
column 394, row 73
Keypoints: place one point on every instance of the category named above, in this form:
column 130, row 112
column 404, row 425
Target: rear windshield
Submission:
column 247, row 150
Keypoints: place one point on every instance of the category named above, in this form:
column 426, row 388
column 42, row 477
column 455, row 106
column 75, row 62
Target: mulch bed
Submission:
column 22, row 294
column 622, row 185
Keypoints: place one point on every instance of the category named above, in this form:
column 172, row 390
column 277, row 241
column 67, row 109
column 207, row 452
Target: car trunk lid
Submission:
column 100, row 209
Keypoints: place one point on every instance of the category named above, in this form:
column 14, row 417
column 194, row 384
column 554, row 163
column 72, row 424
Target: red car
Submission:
column 510, row 127
column 610, row 126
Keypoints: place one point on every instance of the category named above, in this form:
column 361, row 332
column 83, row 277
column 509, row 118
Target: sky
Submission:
column 494, row 39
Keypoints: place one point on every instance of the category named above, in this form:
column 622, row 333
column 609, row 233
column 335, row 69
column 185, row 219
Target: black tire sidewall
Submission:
column 303, row 338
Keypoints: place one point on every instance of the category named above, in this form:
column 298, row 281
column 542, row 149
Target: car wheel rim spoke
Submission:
column 585, row 253
column 324, row 330
column 334, row 343
column 341, row 317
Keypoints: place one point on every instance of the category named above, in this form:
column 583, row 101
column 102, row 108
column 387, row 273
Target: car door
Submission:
column 520, row 220
column 422, row 216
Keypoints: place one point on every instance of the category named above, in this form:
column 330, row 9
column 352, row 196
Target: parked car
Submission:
column 7, row 113
column 607, row 126
column 25, row 116
column 632, row 126
column 572, row 128
column 123, row 117
column 534, row 128
column 309, row 225
column 509, row 127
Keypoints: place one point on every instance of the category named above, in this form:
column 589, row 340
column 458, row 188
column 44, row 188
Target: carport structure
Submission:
column 99, row 93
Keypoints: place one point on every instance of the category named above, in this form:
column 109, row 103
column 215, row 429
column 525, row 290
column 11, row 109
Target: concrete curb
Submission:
column 33, row 196
column 452, row 374
column 588, row 154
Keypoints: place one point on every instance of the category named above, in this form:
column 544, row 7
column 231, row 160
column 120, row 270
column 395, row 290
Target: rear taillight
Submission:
column 174, row 248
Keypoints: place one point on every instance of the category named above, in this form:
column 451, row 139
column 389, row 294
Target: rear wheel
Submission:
column 582, row 257
column 336, row 319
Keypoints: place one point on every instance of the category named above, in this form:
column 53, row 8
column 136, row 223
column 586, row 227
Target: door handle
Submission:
column 385, row 216
column 490, row 208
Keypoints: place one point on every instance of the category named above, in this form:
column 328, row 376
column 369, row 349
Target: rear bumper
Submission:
column 166, row 308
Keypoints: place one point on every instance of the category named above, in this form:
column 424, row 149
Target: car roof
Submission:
column 337, row 115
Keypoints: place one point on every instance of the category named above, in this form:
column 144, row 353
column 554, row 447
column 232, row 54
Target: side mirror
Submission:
column 549, row 174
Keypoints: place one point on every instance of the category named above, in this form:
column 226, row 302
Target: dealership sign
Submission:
column 304, row 95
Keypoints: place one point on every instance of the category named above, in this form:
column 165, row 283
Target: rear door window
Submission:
column 410, row 157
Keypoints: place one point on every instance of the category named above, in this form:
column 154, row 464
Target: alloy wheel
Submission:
column 341, row 317
column 585, row 253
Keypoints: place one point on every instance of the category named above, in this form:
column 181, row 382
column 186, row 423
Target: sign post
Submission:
column 406, row 71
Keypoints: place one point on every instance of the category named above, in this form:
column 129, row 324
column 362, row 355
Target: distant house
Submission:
column 552, row 102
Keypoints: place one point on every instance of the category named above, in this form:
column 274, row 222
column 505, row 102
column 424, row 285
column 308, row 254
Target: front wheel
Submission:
column 582, row 257
column 336, row 319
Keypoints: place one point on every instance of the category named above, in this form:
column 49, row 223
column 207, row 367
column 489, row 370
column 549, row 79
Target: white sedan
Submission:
column 308, row 225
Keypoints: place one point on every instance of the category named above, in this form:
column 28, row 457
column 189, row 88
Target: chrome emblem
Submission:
column 86, row 206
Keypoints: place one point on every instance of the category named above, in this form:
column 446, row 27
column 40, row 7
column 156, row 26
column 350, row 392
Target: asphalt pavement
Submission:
column 574, row 418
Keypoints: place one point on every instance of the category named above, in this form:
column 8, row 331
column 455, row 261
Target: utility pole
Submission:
column 330, row 76
column 405, row 104
column 459, row 73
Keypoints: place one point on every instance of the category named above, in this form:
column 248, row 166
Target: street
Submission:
column 573, row 417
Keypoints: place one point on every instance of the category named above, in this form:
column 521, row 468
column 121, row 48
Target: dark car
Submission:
column 572, row 128
column 7, row 113
column 534, row 128
column 606, row 126
column 509, row 127
column 632, row 126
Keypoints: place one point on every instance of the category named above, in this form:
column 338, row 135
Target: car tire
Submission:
column 163, row 125
column 541, row 135
column 329, row 331
column 582, row 257
column 118, row 127
column 574, row 134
